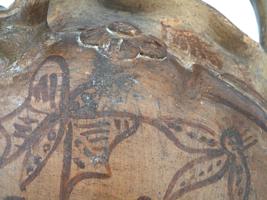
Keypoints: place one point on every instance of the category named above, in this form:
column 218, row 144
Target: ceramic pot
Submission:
column 130, row 100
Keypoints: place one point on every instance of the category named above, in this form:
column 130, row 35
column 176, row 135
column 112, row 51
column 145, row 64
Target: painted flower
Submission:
column 219, row 156
column 52, row 114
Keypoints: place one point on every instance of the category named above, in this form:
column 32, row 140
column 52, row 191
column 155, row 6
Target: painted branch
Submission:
column 129, row 99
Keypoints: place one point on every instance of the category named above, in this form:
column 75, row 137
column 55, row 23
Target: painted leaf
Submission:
column 95, row 138
column 18, row 130
column 39, row 152
column 239, row 179
column 196, row 174
column 22, row 127
column 191, row 137
column 49, row 85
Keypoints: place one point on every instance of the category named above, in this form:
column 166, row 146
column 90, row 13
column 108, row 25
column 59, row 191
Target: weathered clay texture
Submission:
column 130, row 100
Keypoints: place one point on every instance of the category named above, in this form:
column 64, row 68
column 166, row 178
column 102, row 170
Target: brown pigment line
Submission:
column 21, row 149
column 37, row 171
column 101, row 114
column 36, row 93
column 231, row 193
column 168, row 133
column 247, row 139
column 78, row 178
column 79, row 89
column 125, row 134
column 98, row 139
column 155, row 123
column 226, row 86
column 126, row 124
column 247, row 146
column 230, row 183
column 20, row 135
column 26, row 104
column 65, row 86
column 108, row 168
column 94, row 131
column 32, row 109
column 46, row 123
column 244, row 86
column 26, row 157
column 27, row 120
column 53, row 89
column 33, row 138
column 24, row 163
column 63, row 104
column 93, row 125
column 16, row 111
column 22, row 128
column 117, row 123
column 54, row 58
column 208, row 142
column 200, row 126
column 64, row 100
column 212, row 179
column 67, row 158
column 248, row 177
column 192, row 124
column 98, row 148
column 7, row 147
column 180, row 172
column 43, row 88
column 236, row 108
column 65, row 82
column 64, row 67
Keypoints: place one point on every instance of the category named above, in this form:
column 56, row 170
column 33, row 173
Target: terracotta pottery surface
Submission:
column 130, row 100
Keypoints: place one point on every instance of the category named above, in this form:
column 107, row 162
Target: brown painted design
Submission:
column 191, row 44
column 144, row 198
column 52, row 114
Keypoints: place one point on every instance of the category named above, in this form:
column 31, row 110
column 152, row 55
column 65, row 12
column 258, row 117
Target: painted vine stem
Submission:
column 52, row 113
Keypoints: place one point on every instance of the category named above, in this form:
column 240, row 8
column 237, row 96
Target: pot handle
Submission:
column 260, row 9
column 12, row 10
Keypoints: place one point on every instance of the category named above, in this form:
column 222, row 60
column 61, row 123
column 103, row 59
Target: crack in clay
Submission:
column 106, row 46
